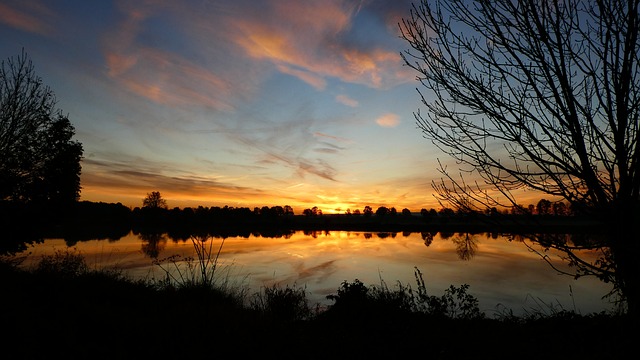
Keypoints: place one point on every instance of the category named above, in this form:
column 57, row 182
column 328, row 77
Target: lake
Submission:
column 501, row 273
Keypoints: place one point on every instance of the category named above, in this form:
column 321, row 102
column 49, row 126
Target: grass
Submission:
column 61, row 307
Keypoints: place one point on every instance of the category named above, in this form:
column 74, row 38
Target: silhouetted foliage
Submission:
column 367, row 211
column 543, row 207
column 358, row 301
column 365, row 322
column 314, row 211
column 382, row 211
column 154, row 200
column 40, row 162
column 286, row 304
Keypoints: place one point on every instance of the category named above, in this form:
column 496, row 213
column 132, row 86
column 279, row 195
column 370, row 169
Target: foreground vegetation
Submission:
column 61, row 307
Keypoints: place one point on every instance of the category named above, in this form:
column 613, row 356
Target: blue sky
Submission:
column 238, row 102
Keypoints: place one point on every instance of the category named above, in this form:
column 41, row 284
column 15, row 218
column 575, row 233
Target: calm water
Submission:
column 499, row 271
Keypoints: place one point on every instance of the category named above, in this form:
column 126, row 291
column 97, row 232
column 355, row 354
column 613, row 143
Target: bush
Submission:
column 63, row 263
column 284, row 304
column 356, row 297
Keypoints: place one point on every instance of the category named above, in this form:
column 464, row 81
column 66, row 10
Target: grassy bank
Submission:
column 62, row 308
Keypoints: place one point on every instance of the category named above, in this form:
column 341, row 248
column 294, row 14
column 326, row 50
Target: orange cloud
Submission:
column 308, row 35
column 129, row 181
column 162, row 76
column 172, row 80
column 27, row 17
column 388, row 120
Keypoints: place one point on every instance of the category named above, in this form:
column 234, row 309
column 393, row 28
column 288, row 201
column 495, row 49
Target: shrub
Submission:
column 285, row 304
column 356, row 297
column 62, row 263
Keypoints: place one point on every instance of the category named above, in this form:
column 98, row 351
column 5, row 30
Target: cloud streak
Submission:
column 346, row 100
column 132, row 179
column 27, row 16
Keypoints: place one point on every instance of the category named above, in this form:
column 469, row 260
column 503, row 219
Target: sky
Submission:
column 239, row 103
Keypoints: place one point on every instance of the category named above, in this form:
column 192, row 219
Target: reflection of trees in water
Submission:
column 313, row 233
column 384, row 235
column 153, row 243
column 427, row 237
column 185, row 234
column 445, row 235
column 466, row 245
column 585, row 254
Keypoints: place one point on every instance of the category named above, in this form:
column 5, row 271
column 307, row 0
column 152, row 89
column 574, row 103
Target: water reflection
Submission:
column 500, row 269
column 466, row 245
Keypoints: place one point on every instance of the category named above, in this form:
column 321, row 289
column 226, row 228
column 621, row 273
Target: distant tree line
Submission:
column 543, row 207
column 86, row 220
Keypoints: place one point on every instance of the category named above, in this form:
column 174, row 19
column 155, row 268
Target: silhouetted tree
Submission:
column 542, row 95
column 265, row 211
column 543, row 207
column 382, row 211
column 314, row 211
column 288, row 210
column 367, row 211
column 559, row 208
column 154, row 200
column 40, row 162
column 277, row 210
column 445, row 211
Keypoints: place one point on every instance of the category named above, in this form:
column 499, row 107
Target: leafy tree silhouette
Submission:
column 40, row 162
column 154, row 200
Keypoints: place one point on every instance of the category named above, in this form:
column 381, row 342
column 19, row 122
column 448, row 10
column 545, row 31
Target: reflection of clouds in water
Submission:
column 320, row 272
column 500, row 272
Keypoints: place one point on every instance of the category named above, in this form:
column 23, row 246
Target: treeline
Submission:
column 86, row 220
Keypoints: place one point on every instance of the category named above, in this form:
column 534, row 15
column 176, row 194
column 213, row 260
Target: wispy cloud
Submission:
column 169, row 79
column 140, row 177
column 314, row 36
column 157, row 71
column 310, row 78
column 299, row 163
column 30, row 16
column 346, row 100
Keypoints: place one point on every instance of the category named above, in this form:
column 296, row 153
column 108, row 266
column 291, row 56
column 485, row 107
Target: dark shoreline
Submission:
column 106, row 317
column 87, row 220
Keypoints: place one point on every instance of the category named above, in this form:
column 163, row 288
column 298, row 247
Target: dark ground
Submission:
column 101, row 317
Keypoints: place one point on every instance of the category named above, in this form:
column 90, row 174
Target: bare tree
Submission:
column 540, row 95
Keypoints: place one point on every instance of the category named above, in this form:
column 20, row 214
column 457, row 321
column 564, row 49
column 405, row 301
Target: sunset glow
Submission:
column 238, row 103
